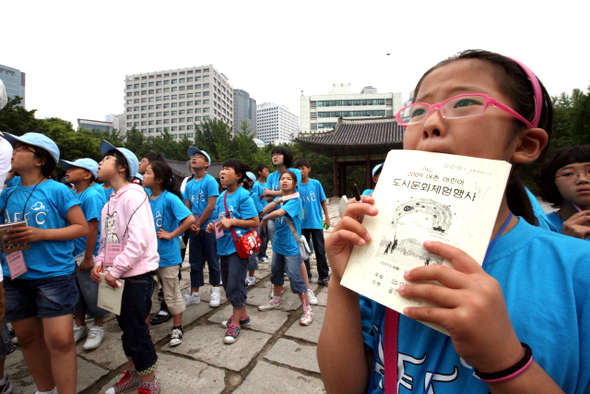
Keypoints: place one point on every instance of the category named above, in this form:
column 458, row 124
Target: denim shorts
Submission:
column 252, row 263
column 47, row 297
column 88, row 296
column 291, row 264
column 233, row 273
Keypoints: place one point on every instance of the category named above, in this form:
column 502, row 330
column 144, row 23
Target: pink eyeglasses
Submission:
column 461, row 106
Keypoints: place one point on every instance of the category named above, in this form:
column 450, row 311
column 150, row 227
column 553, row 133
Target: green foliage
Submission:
column 16, row 120
column 571, row 126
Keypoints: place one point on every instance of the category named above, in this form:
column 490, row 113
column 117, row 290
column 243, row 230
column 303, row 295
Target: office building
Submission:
column 321, row 112
column 177, row 99
column 244, row 110
column 112, row 122
column 276, row 123
column 14, row 82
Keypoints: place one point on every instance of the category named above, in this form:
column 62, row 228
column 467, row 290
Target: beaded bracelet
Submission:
column 509, row 373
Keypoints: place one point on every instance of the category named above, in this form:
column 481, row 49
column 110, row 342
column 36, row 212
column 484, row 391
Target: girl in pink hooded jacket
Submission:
column 129, row 250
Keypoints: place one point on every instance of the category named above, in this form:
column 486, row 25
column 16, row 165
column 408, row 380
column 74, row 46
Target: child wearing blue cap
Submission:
column 129, row 250
column 82, row 173
column 40, row 302
column 375, row 173
column 200, row 195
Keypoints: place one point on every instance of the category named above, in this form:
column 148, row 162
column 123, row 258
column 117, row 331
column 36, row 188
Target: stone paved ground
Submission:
column 274, row 354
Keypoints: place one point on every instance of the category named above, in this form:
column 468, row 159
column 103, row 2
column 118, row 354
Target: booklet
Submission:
column 7, row 246
column 424, row 196
column 110, row 298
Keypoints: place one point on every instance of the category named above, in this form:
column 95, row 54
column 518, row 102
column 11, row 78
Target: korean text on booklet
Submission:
column 7, row 246
column 424, row 196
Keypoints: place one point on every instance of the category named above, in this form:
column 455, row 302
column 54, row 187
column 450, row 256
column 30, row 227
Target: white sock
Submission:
column 276, row 300
column 54, row 391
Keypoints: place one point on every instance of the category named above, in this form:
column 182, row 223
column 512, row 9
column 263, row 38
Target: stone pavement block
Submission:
column 309, row 333
column 268, row 322
column 269, row 378
column 292, row 354
column 22, row 381
column 177, row 374
column 205, row 343
column 20, row 378
column 322, row 296
column 109, row 354
column 88, row 374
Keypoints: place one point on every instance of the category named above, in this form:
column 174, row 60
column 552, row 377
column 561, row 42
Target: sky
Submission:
column 76, row 54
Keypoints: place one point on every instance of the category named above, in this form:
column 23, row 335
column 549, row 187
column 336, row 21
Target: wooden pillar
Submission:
column 335, row 171
column 342, row 177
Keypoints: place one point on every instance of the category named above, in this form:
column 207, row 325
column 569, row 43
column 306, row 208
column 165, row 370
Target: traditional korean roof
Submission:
column 355, row 137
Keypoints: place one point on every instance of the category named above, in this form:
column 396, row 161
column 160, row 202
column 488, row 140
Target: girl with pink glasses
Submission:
column 520, row 322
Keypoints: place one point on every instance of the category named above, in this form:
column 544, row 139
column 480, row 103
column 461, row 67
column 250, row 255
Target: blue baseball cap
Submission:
column 251, row 176
column 106, row 146
column 376, row 168
column 193, row 151
column 85, row 163
column 35, row 139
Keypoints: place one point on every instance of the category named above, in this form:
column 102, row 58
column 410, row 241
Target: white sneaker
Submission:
column 250, row 281
column 176, row 336
column 79, row 332
column 311, row 297
column 215, row 297
column 192, row 299
column 95, row 336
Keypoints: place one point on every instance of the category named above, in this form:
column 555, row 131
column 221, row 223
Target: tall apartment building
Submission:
column 177, row 99
column 244, row 109
column 321, row 112
column 14, row 82
column 275, row 123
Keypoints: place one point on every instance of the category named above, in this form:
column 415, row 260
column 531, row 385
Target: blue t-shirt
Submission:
column 45, row 206
column 285, row 242
column 312, row 195
column 197, row 192
column 272, row 182
column 91, row 202
column 544, row 222
column 15, row 181
column 258, row 188
column 545, row 279
column 257, row 204
column 240, row 206
column 107, row 192
column 556, row 222
column 168, row 211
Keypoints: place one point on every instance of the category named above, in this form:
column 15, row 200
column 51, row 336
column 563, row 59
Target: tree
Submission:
column 135, row 141
column 16, row 120
column 214, row 137
column 244, row 144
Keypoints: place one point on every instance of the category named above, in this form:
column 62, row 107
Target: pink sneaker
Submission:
column 130, row 380
column 149, row 387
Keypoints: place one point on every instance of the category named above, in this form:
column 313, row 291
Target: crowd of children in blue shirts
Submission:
column 133, row 224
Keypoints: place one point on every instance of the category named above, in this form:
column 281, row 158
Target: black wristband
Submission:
column 508, row 371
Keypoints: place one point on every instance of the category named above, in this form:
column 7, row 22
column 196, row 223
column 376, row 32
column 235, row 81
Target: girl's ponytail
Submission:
column 518, row 199
column 163, row 171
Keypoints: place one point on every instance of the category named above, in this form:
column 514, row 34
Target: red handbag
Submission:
column 249, row 244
